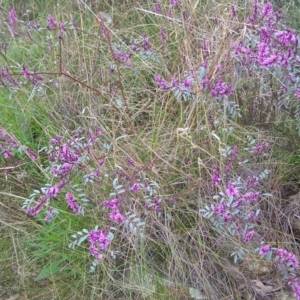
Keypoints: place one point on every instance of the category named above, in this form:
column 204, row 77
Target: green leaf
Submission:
column 50, row 270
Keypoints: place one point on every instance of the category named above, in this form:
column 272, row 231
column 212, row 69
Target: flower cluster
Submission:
column 157, row 7
column 115, row 214
column 33, row 78
column 73, row 204
column 261, row 148
column 44, row 200
column 215, row 178
column 123, row 57
column 287, row 259
column 6, row 78
column 184, row 88
column 221, row 89
column 264, row 250
column 287, row 264
column 9, row 144
column 268, row 46
column 99, row 242
column 66, row 157
column 232, row 208
column 154, row 205
column 294, row 283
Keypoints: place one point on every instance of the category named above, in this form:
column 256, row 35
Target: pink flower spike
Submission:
column 73, row 204
column 12, row 17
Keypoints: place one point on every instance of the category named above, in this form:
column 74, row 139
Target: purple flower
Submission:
column 154, row 206
column 12, row 18
column 187, row 83
column 264, row 250
column 237, row 203
column 249, row 235
column 26, row 73
column 73, row 204
column 56, row 141
column 233, row 11
column 116, row 216
column 262, row 147
column 68, row 154
column 62, row 30
column 297, row 94
column 226, row 217
column 288, row 258
column 269, row 61
column 162, row 34
column 204, row 46
column 123, row 57
column 252, row 19
column 61, row 171
column 33, row 78
column 32, row 155
column 130, row 161
column 134, row 47
column 219, row 209
column 170, row 12
column 251, row 196
column 113, row 204
column 251, row 216
column 53, row 192
column 221, row 89
column 42, row 202
column 215, row 179
column 6, row 77
column 135, row 187
column 146, row 46
column 287, row 37
column 97, row 173
column 252, row 181
column 50, row 214
column 162, row 83
column 157, row 7
column 98, row 132
column 99, row 242
column 51, row 22
column 175, row 3
column 267, row 9
column 231, row 190
column 295, row 285
column 7, row 154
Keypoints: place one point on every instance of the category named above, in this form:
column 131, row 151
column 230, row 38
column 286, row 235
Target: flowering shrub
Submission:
column 234, row 211
column 152, row 111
